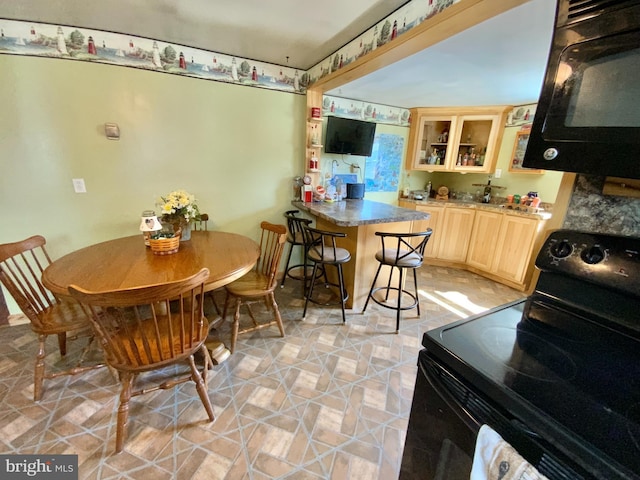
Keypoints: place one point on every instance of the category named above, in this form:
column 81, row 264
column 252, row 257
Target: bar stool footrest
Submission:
column 394, row 306
column 300, row 276
column 316, row 293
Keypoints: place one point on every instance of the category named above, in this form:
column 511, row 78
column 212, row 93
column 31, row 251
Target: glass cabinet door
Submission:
column 460, row 139
column 474, row 137
column 434, row 139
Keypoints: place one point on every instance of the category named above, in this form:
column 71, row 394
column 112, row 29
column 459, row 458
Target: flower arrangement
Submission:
column 178, row 207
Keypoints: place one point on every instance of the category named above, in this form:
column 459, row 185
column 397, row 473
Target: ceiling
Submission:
column 498, row 62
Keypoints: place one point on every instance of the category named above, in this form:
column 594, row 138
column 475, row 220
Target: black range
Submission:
column 556, row 374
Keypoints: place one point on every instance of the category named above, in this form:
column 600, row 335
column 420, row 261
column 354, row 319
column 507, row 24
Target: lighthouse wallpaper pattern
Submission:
column 77, row 43
column 74, row 43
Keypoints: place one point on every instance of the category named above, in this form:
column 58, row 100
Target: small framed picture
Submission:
column 517, row 157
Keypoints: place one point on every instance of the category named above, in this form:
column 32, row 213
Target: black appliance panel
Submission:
column 587, row 118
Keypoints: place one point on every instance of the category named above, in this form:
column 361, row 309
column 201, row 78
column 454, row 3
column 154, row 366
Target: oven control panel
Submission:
column 608, row 260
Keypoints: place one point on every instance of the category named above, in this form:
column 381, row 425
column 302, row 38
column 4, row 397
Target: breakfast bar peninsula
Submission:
column 360, row 219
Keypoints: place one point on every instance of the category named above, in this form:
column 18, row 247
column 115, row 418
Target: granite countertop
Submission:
column 544, row 215
column 352, row 213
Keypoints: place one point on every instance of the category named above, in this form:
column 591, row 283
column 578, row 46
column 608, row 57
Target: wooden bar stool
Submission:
column 322, row 251
column 402, row 251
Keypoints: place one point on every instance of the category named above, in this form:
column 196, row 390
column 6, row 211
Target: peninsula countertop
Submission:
column 353, row 213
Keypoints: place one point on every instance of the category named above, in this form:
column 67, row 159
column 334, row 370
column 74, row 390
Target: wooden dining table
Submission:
column 125, row 263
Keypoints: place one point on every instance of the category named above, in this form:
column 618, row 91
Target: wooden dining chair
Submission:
column 147, row 329
column 21, row 267
column 258, row 284
column 201, row 222
column 201, row 225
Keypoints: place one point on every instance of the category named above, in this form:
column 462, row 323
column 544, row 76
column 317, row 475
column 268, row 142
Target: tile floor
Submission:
column 327, row 401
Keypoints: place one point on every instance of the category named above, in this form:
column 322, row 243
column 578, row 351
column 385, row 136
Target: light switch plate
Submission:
column 112, row 131
column 498, row 172
column 78, row 185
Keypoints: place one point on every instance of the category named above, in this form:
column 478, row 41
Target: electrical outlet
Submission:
column 498, row 172
column 78, row 185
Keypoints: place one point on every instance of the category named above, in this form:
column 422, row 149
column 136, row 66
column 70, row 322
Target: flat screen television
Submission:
column 345, row 135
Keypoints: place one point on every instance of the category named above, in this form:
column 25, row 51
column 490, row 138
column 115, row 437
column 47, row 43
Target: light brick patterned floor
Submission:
column 327, row 401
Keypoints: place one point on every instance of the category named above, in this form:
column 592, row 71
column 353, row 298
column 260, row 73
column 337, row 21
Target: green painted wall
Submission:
column 235, row 148
column 345, row 162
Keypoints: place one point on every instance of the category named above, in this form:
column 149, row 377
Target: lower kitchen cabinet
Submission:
column 515, row 247
column 495, row 243
column 482, row 248
column 435, row 224
column 457, row 225
column 502, row 244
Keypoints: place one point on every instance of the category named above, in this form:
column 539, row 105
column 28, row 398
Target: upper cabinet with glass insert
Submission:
column 455, row 139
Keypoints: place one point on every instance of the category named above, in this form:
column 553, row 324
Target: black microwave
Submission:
column 588, row 115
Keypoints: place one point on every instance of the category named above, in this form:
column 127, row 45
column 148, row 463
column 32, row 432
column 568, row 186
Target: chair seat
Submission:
column 340, row 255
column 405, row 259
column 138, row 355
column 252, row 284
column 297, row 238
column 61, row 317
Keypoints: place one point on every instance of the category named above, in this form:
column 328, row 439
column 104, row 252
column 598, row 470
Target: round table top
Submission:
column 127, row 263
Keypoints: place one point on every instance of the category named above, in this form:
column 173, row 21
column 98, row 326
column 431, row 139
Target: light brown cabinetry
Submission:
column 515, row 247
column 451, row 230
column 314, row 144
column 494, row 243
column 435, row 224
column 455, row 139
column 457, row 225
column 482, row 248
column 502, row 245
column 313, row 135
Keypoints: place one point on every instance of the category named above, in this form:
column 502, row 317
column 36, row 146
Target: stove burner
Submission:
column 633, row 428
column 527, row 354
column 551, row 321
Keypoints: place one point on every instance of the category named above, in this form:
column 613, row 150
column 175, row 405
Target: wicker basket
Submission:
column 165, row 246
